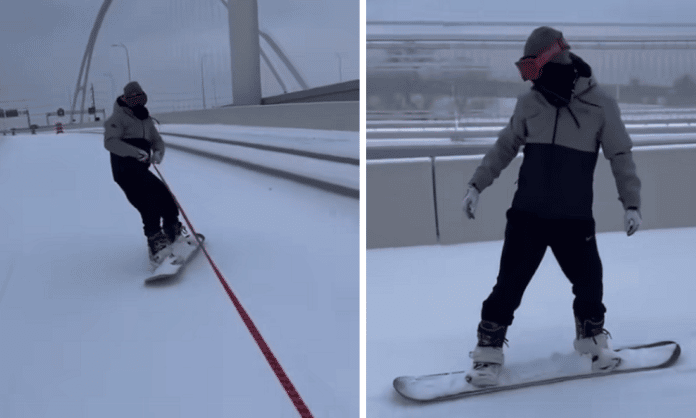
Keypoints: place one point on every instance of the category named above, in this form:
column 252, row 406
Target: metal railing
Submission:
column 419, row 66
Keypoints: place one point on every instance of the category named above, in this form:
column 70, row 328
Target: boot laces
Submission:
column 489, row 341
column 603, row 331
column 481, row 366
column 180, row 231
column 174, row 232
column 159, row 242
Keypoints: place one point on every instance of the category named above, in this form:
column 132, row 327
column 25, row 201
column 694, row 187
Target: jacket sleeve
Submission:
column 113, row 132
column 503, row 152
column 616, row 145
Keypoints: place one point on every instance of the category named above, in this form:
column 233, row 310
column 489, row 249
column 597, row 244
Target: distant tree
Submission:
column 683, row 92
column 685, row 86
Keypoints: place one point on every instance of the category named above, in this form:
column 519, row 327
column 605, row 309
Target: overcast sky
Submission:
column 628, row 11
column 43, row 42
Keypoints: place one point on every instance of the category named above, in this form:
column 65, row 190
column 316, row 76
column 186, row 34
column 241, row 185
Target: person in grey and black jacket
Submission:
column 134, row 142
column 562, row 123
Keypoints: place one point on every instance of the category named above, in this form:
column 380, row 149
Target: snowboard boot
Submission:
column 488, row 355
column 158, row 248
column 175, row 231
column 593, row 340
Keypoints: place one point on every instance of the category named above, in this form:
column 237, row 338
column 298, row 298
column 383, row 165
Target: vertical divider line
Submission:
column 437, row 224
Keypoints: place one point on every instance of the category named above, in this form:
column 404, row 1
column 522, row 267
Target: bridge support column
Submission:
column 245, row 52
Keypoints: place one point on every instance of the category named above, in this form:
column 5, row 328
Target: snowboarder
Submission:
column 134, row 142
column 562, row 122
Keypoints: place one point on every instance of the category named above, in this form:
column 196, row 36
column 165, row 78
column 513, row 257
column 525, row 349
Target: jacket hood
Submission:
column 583, row 68
column 138, row 112
column 586, row 81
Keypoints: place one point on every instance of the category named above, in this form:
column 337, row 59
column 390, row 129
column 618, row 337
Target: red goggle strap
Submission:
column 530, row 68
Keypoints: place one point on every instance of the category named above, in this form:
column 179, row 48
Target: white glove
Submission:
column 157, row 157
column 632, row 221
column 470, row 202
column 143, row 156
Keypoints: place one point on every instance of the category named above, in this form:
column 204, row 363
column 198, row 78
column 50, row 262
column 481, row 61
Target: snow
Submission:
column 337, row 143
column 330, row 143
column 332, row 172
column 496, row 129
column 423, row 306
column 81, row 336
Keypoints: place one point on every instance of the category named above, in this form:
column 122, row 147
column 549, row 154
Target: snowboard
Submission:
column 182, row 251
column 558, row 368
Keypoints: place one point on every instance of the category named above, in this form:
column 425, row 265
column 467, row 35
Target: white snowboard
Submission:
column 558, row 368
column 183, row 250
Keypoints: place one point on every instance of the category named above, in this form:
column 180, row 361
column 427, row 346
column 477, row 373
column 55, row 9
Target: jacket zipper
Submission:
column 555, row 126
column 553, row 160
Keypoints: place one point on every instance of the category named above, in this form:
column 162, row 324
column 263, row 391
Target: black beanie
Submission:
column 540, row 39
column 132, row 88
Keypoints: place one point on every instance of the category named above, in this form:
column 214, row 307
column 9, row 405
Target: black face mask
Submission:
column 137, row 106
column 137, row 99
column 140, row 112
column 557, row 82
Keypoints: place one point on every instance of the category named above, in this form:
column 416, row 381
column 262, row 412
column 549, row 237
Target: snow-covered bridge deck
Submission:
column 81, row 336
column 424, row 303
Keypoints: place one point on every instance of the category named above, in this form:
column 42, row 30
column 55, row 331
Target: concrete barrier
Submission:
column 339, row 92
column 336, row 116
column 451, row 176
column 400, row 203
column 667, row 174
column 344, row 178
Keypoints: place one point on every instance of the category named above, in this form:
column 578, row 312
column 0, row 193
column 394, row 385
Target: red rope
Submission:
column 270, row 357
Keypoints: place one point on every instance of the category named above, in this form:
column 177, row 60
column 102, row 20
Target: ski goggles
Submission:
column 135, row 99
column 530, row 67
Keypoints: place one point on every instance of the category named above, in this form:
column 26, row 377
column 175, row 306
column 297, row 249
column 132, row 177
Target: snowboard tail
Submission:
column 560, row 368
column 182, row 251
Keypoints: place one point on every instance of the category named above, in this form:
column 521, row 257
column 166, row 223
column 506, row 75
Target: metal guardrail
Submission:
column 399, row 115
column 305, row 180
column 432, row 138
column 440, row 147
column 282, row 150
column 288, row 175
column 645, row 114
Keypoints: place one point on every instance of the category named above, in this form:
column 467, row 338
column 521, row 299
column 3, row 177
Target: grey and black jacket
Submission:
column 561, row 145
column 123, row 124
column 124, row 134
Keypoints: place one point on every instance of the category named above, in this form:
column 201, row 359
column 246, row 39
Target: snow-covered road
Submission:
column 81, row 336
column 423, row 306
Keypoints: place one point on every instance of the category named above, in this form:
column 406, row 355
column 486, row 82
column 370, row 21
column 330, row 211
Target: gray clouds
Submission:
column 44, row 42
column 589, row 11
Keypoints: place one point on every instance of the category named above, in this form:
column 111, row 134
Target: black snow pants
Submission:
column 526, row 238
column 144, row 190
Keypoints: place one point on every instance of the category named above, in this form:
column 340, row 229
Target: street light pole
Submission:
column 340, row 67
column 202, row 80
column 113, row 83
column 215, row 92
column 127, row 59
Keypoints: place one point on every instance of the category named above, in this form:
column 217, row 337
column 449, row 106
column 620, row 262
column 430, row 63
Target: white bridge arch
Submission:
column 245, row 56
